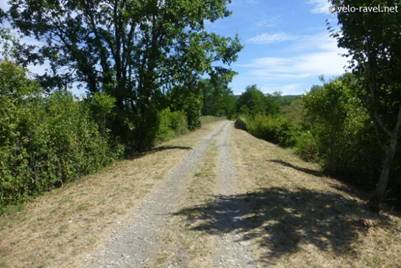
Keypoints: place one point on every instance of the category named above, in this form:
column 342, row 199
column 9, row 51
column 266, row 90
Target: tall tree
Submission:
column 253, row 102
column 374, row 44
column 218, row 99
column 134, row 50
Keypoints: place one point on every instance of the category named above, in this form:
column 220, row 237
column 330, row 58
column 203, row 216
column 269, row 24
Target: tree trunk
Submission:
column 390, row 150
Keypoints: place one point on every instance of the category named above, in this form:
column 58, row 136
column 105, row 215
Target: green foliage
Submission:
column 101, row 107
column 240, row 123
column 135, row 51
column 171, row 124
column 260, row 115
column 253, row 102
column 274, row 129
column 292, row 108
column 218, row 99
column 145, row 127
column 340, row 133
column 306, row 146
column 190, row 102
column 193, row 111
column 44, row 141
column 332, row 126
column 373, row 40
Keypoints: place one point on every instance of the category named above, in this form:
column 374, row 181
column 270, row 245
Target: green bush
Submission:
column 171, row 125
column 306, row 146
column 101, row 107
column 274, row 129
column 44, row 141
column 240, row 123
column 343, row 134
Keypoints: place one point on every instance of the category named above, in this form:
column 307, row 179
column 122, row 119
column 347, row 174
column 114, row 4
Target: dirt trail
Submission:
column 232, row 201
column 134, row 245
column 230, row 251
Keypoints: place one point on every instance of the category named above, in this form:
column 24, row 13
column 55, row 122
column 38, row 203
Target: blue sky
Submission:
column 286, row 44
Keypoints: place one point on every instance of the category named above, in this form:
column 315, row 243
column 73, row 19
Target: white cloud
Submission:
column 268, row 22
column 320, row 6
column 4, row 5
column 320, row 56
column 269, row 38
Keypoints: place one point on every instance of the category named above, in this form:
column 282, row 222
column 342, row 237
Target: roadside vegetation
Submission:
column 351, row 124
column 148, row 71
column 333, row 128
column 60, row 227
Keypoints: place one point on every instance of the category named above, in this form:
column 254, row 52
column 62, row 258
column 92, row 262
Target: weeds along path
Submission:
column 136, row 243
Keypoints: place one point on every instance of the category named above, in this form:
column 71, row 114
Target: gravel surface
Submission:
column 138, row 239
column 230, row 252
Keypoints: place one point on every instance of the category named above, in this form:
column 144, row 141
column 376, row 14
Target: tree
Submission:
column 133, row 50
column 253, row 102
column 373, row 41
column 218, row 99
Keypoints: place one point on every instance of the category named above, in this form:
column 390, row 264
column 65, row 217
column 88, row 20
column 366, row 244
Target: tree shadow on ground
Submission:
column 158, row 149
column 170, row 147
column 280, row 220
column 313, row 172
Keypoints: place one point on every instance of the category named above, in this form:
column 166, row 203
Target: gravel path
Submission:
column 230, row 250
column 136, row 243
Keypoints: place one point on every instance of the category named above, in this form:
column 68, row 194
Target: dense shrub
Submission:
column 171, row 125
column 240, row 123
column 342, row 136
column 343, row 132
column 44, row 141
column 330, row 125
column 193, row 111
column 306, row 146
column 274, row 129
column 101, row 107
column 190, row 102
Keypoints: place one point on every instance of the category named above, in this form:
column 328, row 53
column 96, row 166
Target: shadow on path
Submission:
column 159, row 149
column 313, row 172
column 170, row 147
column 279, row 220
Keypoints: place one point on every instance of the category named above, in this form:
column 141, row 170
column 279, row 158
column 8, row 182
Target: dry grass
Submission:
column 206, row 119
column 295, row 217
column 184, row 247
column 303, row 219
column 59, row 227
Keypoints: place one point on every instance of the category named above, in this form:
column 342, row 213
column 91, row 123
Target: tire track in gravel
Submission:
column 136, row 243
column 230, row 250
